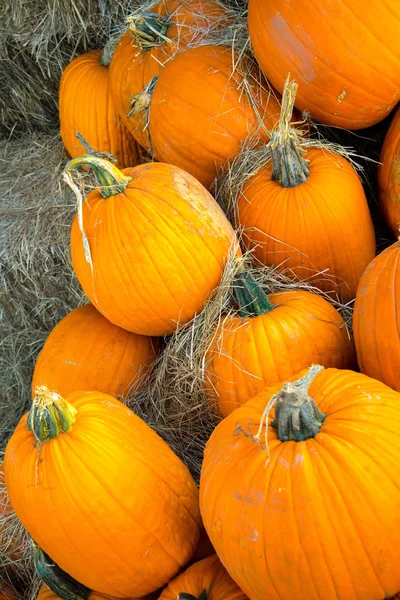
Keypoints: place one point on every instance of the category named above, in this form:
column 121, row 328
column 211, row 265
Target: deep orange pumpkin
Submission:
column 85, row 352
column 344, row 54
column 101, row 493
column 158, row 245
column 274, row 338
column 316, row 518
column 389, row 176
column 152, row 39
column 376, row 318
column 46, row 594
column 205, row 580
column 86, row 106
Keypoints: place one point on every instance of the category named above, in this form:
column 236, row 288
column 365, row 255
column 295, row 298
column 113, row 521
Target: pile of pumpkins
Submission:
column 299, row 493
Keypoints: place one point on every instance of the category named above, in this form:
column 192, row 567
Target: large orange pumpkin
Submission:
column 86, row 107
column 205, row 580
column 273, row 338
column 152, row 39
column 200, row 112
column 344, row 54
column 376, row 318
column 85, row 352
column 158, row 244
column 305, row 213
column 46, row 594
column 314, row 510
column 101, row 493
column 389, row 176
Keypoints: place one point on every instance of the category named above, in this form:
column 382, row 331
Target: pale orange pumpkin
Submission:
column 389, row 176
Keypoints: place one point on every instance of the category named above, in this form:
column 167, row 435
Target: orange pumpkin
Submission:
column 200, row 113
column 306, row 214
column 158, row 245
column 389, row 176
column 86, row 107
column 101, row 493
column 307, row 505
column 46, row 594
column 85, row 352
column 273, row 338
column 376, row 318
column 205, row 580
column 152, row 39
column 344, row 54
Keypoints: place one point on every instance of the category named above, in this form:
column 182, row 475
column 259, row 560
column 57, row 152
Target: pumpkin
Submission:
column 13, row 539
column 376, row 317
column 6, row 592
column 46, row 594
column 205, row 580
column 204, row 548
column 101, row 493
column 150, row 42
column 348, row 72
column 305, row 213
column 272, row 338
column 86, row 107
column 389, row 176
column 201, row 113
column 158, row 243
column 85, row 352
column 307, row 504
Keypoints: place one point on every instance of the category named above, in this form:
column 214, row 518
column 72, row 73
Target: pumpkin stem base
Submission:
column 185, row 596
column 50, row 415
column 148, row 30
column 250, row 296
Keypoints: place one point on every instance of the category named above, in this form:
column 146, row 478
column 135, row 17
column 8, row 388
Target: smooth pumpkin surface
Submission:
column 46, row 594
column 376, row 318
column 105, row 497
column 389, row 176
column 187, row 22
column 344, row 54
column 327, row 507
column 208, row 575
column 85, row 352
column 86, row 106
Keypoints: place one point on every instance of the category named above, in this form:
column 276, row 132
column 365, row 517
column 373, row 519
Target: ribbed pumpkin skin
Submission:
column 346, row 68
column 208, row 574
column 249, row 354
column 85, row 352
column 46, row 594
column 86, row 106
column 109, row 501
column 158, row 249
column 199, row 118
column 317, row 519
column 131, row 69
column 376, row 318
column 389, row 176
column 321, row 225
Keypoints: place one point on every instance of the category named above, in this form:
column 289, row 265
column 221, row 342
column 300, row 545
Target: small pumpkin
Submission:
column 150, row 42
column 303, row 500
column 101, row 493
column 85, row 352
column 305, row 213
column 389, row 176
column 273, row 338
column 376, row 318
column 205, row 580
column 86, row 106
column 158, row 243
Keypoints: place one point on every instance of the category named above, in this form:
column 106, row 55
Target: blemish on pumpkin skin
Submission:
column 295, row 51
column 341, row 96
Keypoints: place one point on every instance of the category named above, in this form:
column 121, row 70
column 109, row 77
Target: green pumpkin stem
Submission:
column 49, row 415
column 110, row 179
column 289, row 167
column 108, row 50
column 148, row 30
column 251, row 298
column 184, row 596
column 57, row 580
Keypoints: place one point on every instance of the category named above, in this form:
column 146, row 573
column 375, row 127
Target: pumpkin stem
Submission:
column 184, row 596
column 289, row 167
column 251, row 298
column 108, row 50
column 57, row 580
column 110, row 179
column 142, row 101
column 148, row 30
column 49, row 415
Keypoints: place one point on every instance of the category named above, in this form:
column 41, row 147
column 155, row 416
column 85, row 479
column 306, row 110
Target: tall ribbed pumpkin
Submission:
column 344, row 54
column 376, row 318
column 389, row 176
column 87, row 107
column 307, row 504
column 85, row 352
column 101, row 493
column 157, row 241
